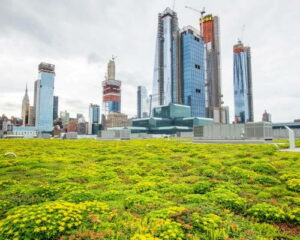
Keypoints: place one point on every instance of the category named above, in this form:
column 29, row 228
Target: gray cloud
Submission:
column 79, row 37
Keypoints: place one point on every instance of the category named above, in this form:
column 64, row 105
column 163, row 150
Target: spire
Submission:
column 26, row 91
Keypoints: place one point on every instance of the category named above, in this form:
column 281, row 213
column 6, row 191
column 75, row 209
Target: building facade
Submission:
column 65, row 118
column 44, row 97
column 179, row 70
column 192, row 69
column 55, row 107
column 163, row 73
column 111, row 90
column 209, row 26
column 142, row 102
column 242, row 81
column 116, row 120
column 94, row 116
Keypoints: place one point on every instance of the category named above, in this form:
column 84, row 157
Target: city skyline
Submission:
column 27, row 43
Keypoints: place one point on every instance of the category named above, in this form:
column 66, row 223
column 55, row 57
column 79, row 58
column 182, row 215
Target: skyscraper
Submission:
column 44, row 88
column 111, row 90
column 163, row 81
column 55, row 107
column 142, row 102
column 94, row 116
column 191, row 62
column 242, row 80
column 209, row 26
column 25, row 109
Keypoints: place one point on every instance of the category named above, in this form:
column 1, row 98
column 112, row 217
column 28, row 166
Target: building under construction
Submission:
column 209, row 26
column 111, row 90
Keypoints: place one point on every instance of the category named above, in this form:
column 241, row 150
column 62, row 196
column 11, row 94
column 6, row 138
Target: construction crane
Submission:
column 198, row 11
column 201, row 14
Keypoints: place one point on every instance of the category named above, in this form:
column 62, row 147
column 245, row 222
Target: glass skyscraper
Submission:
column 242, row 80
column 142, row 102
column 193, row 76
column 94, row 116
column 55, row 107
column 163, row 74
column 44, row 87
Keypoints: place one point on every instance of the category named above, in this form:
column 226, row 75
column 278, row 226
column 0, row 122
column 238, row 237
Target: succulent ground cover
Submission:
column 147, row 190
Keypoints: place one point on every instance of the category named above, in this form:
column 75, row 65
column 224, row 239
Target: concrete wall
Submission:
column 259, row 130
column 283, row 133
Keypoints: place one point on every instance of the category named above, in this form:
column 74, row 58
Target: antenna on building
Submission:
column 242, row 32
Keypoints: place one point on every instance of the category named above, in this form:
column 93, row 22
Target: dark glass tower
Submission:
column 242, row 81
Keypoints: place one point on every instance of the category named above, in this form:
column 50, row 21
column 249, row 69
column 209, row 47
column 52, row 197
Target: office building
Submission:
column 142, row 102
column 31, row 116
column 179, row 70
column 79, row 115
column 169, row 119
column 163, row 74
column 55, row 107
column 242, row 81
column 25, row 109
column 267, row 117
column 65, row 118
column 209, row 26
column 44, row 89
column 94, row 116
column 116, row 120
column 189, row 71
column 72, row 125
column 111, row 90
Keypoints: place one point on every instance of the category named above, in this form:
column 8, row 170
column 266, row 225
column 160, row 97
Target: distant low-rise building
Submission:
column 72, row 126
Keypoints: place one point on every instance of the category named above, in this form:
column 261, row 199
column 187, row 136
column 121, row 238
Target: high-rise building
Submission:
column 179, row 69
column 266, row 117
column 242, row 81
column 94, row 116
column 111, row 90
column 65, row 118
column 55, row 107
column 31, row 116
column 44, row 97
column 79, row 115
column 190, row 60
column 25, row 109
column 209, row 26
column 163, row 81
column 142, row 102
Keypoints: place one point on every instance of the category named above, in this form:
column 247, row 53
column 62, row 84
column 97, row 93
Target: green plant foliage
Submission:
column 264, row 168
column 153, row 189
column 202, row 187
column 267, row 212
column 48, row 220
column 293, row 184
column 228, row 199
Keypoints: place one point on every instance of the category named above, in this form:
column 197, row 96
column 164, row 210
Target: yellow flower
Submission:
column 61, row 229
column 38, row 221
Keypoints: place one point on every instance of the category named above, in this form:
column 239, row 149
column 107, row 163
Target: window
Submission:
column 198, row 90
column 197, row 66
column 197, row 39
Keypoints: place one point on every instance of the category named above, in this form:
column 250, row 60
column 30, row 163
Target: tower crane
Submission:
column 196, row 10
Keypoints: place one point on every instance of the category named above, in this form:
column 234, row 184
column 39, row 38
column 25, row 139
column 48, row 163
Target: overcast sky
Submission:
column 80, row 36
